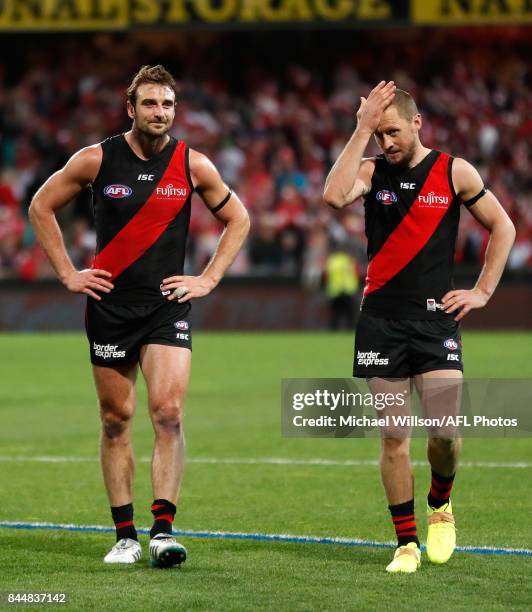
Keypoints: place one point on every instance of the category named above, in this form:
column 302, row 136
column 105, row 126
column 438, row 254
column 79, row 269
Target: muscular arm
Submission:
column 491, row 215
column 56, row 193
column 212, row 190
column 350, row 177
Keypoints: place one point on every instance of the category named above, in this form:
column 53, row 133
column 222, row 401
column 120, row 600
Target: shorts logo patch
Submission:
column 433, row 306
column 182, row 337
column 386, row 197
column 371, row 358
column 450, row 344
column 117, row 191
column 182, row 325
column 107, row 351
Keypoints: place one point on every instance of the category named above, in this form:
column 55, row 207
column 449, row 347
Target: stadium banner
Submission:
column 100, row 15
column 451, row 407
column 470, row 12
column 68, row 15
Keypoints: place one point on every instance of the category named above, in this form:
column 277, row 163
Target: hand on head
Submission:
column 371, row 109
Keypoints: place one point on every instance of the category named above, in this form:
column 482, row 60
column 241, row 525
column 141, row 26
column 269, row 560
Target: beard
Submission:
column 149, row 131
column 405, row 159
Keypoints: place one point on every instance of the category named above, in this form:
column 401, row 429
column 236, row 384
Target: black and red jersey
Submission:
column 142, row 215
column 412, row 217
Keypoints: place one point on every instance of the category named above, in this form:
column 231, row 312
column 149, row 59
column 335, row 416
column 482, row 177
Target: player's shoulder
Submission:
column 198, row 160
column 462, row 165
column 466, row 178
column 202, row 170
column 85, row 163
column 463, row 170
column 90, row 153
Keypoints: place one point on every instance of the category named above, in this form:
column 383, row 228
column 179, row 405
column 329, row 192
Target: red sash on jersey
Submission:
column 142, row 231
column 415, row 229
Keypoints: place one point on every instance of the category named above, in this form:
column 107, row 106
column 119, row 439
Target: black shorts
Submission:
column 117, row 332
column 399, row 348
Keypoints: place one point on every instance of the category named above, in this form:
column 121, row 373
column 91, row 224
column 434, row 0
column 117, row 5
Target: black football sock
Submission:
column 123, row 520
column 163, row 512
column 404, row 521
column 440, row 490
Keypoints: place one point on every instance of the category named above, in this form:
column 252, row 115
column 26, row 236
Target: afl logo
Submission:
column 118, row 191
column 386, row 197
column 181, row 325
column 450, row 344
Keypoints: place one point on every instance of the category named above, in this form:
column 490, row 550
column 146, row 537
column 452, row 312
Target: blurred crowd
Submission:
column 273, row 116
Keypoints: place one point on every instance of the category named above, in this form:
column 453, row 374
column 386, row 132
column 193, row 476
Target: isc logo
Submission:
column 145, row 177
column 118, row 191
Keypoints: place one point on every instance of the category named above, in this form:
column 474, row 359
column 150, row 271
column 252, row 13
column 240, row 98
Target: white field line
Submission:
column 260, row 461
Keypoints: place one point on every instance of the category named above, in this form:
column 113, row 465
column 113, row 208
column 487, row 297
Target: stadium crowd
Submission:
column 273, row 126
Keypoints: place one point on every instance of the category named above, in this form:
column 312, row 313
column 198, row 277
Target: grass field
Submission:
column 48, row 409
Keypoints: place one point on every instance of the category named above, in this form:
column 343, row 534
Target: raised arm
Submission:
column 229, row 210
column 487, row 210
column 350, row 177
column 60, row 189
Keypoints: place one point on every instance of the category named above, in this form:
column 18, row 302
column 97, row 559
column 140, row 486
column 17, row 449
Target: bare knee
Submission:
column 116, row 419
column 444, row 445
column 167, row 417
column 395, row 449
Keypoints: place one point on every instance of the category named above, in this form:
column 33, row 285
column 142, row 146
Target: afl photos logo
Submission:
column 386, row 197
column 117, row 191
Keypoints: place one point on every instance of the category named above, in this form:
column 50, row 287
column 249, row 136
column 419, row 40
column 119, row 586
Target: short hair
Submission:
column 150, row 74
column 405, row 104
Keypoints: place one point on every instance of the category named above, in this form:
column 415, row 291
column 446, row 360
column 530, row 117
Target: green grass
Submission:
column 48, row 407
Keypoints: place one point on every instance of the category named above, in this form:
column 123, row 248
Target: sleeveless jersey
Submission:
column 412, row 219
column 142, row 214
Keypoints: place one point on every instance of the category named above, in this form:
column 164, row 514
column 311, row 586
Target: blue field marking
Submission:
column 265, row 537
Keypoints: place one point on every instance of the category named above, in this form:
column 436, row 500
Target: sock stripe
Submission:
column 404, row 522
column 412, row 532
column 407, row 525
column 165, row 517
column 123, row 524
column 440, row 496
column 163, row 512
column 398, row 519
column 441, row 487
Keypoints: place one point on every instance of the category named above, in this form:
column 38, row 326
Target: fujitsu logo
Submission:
column 431, row 199
column 171, row 192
